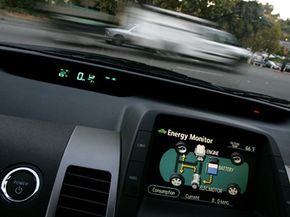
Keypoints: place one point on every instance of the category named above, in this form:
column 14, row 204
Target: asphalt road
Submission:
column 244, row 77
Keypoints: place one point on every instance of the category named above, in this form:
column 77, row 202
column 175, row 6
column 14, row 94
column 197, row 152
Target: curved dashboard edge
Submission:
column 37, row 145
column 134, row 82
column 90, row 148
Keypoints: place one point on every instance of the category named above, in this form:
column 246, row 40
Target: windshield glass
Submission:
column 236, row 44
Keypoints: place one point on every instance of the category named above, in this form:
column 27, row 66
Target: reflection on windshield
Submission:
column 241, row 45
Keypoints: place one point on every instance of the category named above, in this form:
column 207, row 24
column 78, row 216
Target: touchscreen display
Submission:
column 197, row 161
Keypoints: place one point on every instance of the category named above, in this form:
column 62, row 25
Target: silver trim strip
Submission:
column 288, row 172
column 8, row 176
column 91, row 148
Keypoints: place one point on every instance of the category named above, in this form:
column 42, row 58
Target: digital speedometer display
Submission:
column 198, row 161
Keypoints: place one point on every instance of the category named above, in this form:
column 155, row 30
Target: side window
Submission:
column 230, row 39
column 213, row 36
column 218, row 38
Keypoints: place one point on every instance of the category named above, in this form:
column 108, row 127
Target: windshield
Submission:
column 236, row 44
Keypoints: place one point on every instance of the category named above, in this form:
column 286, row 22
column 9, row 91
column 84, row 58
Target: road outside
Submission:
column 244, row 77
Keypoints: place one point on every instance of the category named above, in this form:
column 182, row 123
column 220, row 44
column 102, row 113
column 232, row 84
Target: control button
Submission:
column 237, row 158
column 133, row 178
column 181, row 148
column 18, row 190
column 141, row 146
column 233, row 189
column 281, row 171
column 20, row 184
column 163, row 191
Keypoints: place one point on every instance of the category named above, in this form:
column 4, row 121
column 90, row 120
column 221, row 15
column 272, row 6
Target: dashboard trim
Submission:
column 94, row 149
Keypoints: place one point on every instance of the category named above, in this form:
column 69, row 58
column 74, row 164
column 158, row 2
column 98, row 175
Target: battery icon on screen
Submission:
column 212, row 166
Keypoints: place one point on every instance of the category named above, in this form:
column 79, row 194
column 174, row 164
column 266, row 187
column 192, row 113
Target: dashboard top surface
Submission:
column 68, row 106
column 29, row 98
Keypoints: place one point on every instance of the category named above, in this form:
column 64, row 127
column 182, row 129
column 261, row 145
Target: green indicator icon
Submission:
column 162, row 131
column 108, row 78
column 63, row 73
column 114, row 79
column 80, row 76
column 92, row 78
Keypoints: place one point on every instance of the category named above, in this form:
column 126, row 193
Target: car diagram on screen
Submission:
column 204, row 170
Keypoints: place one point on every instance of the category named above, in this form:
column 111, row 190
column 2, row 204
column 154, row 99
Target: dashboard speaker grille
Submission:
column 84, row 193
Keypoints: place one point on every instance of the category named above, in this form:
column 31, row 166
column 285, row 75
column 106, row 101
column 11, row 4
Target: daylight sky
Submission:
column 280, row 6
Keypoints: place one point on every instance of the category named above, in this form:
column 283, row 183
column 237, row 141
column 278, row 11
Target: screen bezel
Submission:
column 245, row 201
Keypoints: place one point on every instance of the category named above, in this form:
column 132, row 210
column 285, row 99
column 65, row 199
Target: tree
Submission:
column 267, row 39
column 285, row 28
column 21, row 4
column 244, row 21
column 210, row 10
column 107, row 6
column 254, row 25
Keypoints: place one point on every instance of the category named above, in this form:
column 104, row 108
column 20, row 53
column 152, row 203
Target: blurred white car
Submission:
column 181, row 34
column 120, row 35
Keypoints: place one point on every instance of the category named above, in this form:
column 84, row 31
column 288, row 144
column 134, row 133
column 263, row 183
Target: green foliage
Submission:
column 215, row 9
column 285, row 28
column 267, row 39
column 254, row 25
column 210, row 10
column 109, row 7
column 23, row 6
column 106, row 6
column 283, row 51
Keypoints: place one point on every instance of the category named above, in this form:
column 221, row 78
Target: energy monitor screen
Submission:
column 197, row 161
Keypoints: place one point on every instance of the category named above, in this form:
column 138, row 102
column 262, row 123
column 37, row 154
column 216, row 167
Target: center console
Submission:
column 195, row 161
column 201, row 168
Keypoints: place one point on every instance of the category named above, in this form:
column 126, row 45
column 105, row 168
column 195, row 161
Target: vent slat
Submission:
column 84, row 193
column 86, row 177
column 80, row 211
column 88, row 183
column 85, row 188
column 82, row 199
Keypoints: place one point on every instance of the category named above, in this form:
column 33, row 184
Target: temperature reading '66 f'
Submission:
column 250, row 148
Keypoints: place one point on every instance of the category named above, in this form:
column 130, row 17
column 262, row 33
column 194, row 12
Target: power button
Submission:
column 20, row 184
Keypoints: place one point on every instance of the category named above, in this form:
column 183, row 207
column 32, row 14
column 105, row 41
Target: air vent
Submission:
column 84, row 193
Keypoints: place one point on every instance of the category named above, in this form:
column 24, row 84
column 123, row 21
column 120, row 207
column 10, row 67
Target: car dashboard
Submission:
column 80, row 138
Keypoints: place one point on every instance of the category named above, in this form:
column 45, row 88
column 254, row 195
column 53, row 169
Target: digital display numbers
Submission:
column 84, row 77
column 63, row 73
column 81, row 76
